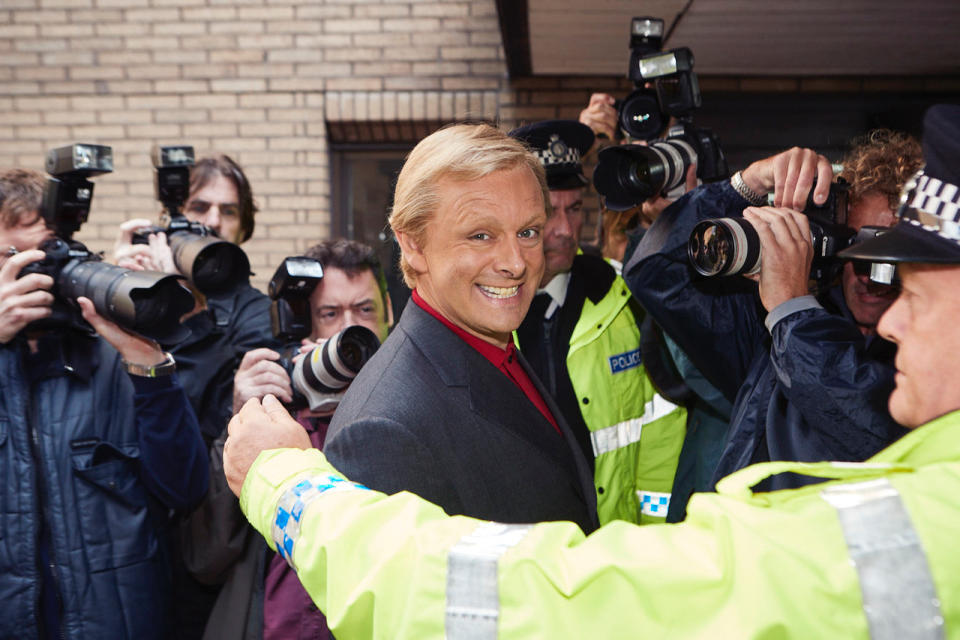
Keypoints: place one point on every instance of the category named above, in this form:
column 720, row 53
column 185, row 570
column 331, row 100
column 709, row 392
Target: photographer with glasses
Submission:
column 807, row 374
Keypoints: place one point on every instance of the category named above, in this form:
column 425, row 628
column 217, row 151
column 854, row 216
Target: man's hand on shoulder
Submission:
column 256, row 428
column 786, row 253
column 789, row 175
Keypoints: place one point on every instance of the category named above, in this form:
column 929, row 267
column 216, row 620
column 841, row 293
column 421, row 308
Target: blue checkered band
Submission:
column 654, row 504
column 932, row 204
column 293, row 502
column 558, row 152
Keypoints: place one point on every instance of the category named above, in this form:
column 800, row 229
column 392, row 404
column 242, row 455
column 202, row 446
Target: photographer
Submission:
column 97, row 442
column 808, row 377
column 232, row 321
column 263, row 598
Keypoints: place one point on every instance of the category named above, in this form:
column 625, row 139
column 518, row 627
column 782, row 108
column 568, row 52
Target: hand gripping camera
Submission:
column 211, row 264
column 731, row 246
column 322, row 375
column 145, row 302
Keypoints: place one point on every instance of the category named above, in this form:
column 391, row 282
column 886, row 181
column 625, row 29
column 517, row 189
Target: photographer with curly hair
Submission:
column 807, row 374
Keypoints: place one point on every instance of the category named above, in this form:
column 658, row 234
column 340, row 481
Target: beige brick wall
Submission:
column 265, row 81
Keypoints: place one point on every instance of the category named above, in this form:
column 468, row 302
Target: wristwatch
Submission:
column 164, row 368
column 748, row 194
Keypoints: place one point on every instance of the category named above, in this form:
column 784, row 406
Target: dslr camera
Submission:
column 145, row 302
column 211, row 264
column 731, row 246
column 322, row 375
column 667, row 86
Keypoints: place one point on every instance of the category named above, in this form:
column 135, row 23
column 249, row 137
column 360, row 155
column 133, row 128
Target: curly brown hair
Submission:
column 881, row 161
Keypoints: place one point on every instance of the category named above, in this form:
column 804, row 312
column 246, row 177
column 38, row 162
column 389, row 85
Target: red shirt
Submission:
column 503, row 359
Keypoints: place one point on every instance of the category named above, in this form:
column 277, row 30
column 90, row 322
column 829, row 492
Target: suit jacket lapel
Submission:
column 495, row 398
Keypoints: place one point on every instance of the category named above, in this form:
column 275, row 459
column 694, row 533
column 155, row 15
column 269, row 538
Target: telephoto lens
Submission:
column 628, row 174
column 211, row 264
column 724, row 247
column 323, row 374
column 639, row 115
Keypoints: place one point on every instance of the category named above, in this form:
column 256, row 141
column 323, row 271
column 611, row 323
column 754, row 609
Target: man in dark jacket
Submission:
column 97, row 443
column 808, row 376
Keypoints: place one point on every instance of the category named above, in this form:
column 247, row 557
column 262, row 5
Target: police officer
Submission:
column 582, row 338
column 870, row 554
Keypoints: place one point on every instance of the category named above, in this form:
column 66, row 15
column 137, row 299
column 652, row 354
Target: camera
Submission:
column 731, row 246
column 322, row 375
column 148, row 303
column 628, row 174
column 664, row 81
column 211, row 264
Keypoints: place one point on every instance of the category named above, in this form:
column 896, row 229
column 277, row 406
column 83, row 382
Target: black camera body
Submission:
column 210, row 263
column 628, row 174
column 731, row 246
column 674, row 91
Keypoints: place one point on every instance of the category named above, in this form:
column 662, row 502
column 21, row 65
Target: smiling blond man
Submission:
column 447, row 408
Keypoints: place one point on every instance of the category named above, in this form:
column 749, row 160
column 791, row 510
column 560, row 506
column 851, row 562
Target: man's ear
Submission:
column 412, row 251
column 389, row 312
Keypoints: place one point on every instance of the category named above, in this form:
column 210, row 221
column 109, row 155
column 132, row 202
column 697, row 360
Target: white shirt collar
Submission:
column 557, row 290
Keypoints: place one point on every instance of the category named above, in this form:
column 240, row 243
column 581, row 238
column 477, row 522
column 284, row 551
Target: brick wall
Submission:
column 270, row 82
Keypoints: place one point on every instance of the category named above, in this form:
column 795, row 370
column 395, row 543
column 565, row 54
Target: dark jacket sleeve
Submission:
column 841, row 387
column 717, row 322
column 215, row 535
column 172, row 453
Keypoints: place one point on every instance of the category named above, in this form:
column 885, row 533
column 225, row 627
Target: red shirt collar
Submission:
column 497, row 356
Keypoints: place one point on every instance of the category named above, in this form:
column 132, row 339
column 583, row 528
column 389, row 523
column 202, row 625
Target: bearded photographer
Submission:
column 807, row 375
column 97, row 443
column 261, row 596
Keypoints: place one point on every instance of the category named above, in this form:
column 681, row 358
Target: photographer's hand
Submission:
column 601, row 116
column 653, row 207
column 22, row 300
column 133, row 348
column 258, row 375
column 786, row 251
column 789, row 175
column 258, row 427
column 137, row 257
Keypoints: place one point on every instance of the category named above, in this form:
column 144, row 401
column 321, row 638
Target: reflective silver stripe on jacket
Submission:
column 626, row 433
column 473, row 598
column 899, row 596
column 286, row 523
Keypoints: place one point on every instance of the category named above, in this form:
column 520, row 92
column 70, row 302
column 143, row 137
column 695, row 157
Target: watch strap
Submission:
column 748, row 194
column 164, row 368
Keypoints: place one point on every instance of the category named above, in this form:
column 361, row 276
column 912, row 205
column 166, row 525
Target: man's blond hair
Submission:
column 462, row 152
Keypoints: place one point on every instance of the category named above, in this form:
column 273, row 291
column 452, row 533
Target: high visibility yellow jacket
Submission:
column 636, row 433
column 871, row 554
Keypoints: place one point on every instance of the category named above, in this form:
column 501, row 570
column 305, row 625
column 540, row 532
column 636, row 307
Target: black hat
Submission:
column 928, row 230
column 559, row 145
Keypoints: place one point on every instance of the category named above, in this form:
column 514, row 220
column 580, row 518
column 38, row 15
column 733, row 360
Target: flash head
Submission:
column 667, row 63
column 172, row 156
column 646, row 33
column 80, row 160
column 296, row 275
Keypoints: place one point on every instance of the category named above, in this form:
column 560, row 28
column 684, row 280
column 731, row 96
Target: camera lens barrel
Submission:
column 724, row 247
column 326, row 371
column 626, row 175
column 211, row 264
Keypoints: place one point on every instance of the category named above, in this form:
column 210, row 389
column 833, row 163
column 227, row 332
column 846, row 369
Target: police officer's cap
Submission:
column 559, row 145
column 928, row 227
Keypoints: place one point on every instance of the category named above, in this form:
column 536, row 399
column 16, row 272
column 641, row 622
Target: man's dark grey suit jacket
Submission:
column 430, row 415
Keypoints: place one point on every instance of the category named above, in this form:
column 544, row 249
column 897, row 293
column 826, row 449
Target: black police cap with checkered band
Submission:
column 559, row 145
column 928, row 230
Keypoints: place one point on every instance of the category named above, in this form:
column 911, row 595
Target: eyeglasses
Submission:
column 227, row 209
